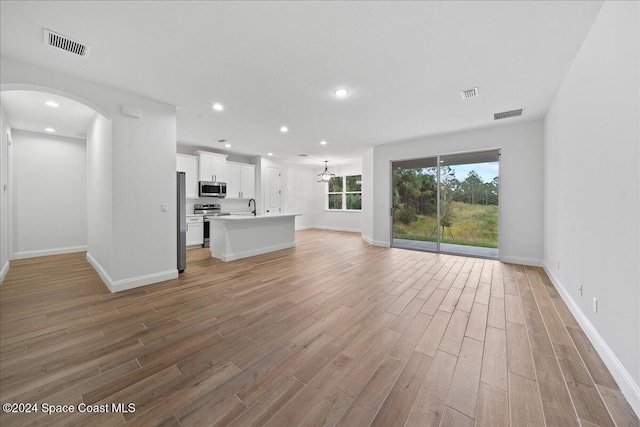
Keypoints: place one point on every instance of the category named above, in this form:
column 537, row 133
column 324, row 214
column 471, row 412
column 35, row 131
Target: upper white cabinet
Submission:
column 241, row 179
column 212, row 166
column 248, row 181
column 189, row 165
column 233, row 180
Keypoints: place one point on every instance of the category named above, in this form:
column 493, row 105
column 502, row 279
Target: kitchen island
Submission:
column 241, row 236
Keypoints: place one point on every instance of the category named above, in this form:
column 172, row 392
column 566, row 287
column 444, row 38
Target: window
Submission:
column 344, row 193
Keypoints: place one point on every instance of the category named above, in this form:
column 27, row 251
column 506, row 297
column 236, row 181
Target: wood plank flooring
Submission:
column 332, row 332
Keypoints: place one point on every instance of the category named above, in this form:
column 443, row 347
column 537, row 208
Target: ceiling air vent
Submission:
column 65, row 43
column 507, row 114
column 303, row 155
column 469, row 93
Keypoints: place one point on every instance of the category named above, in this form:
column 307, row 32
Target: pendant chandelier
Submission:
column 326, row 175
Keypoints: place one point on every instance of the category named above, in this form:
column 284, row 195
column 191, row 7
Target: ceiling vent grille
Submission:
column 507, row 114
column 65, row 43
column 469, row 93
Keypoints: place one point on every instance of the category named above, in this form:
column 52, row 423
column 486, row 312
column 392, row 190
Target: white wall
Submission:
column 50, row 202
column 592, row 213
column 521, row 182
column 99, row 192
column 333, row 220
column 367, row 202
column 143, row 173
column 4, row 194
column 299, row 195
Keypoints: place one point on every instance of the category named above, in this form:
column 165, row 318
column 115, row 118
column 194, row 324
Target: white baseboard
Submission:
column 628, row 386
column 304, row 227
column 98, row 268
column 380, row 243
column 4, row 271
column 328, row 227
column 521, row 260
column 136, row 282
column 246, row 254
column 133, row 282
column 47, row 252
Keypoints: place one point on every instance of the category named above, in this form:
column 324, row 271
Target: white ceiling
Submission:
column 276, row 63
column 28, row 111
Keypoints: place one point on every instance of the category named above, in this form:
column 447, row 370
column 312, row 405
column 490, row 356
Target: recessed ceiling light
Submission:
column 218, row 107
column 270, row 154
column 227, row 145
column 50, row 129
column 284, row 129
column 53, row 104
column 323, row 142
column 341, row 92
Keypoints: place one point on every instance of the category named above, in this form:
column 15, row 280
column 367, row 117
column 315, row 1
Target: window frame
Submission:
column 344, row 193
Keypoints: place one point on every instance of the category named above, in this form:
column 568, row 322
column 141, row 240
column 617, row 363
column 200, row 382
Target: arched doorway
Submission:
column 29, row 114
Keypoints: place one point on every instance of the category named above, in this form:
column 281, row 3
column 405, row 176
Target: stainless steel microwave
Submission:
column 212, row 189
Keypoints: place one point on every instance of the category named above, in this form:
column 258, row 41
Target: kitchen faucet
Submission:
column 254, row 206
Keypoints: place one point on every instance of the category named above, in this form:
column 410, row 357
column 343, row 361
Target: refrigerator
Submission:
column 182, row 221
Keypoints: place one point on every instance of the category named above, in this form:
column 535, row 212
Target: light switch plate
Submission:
column 163, row 207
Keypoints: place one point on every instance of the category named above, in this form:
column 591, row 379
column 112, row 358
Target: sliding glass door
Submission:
column 447, row 203
column 415, row 204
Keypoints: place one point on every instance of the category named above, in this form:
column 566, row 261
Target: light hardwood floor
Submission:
column 333, row 332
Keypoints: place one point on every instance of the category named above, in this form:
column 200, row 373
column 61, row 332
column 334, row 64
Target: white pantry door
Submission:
column 272, row 190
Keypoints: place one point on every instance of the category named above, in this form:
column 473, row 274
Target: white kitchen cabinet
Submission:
column 233, row 180
column 248, row 181
column 189, row 165
column 195, row 230
column 241, row 180
column 212, row 166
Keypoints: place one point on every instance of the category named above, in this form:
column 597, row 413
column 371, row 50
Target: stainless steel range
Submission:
column 209, row 210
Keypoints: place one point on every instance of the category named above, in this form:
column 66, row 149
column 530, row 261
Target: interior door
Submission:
column 273, row 193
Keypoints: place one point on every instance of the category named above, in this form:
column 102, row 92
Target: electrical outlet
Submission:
column 580, row 289
column 595, row 305
column 558, row 265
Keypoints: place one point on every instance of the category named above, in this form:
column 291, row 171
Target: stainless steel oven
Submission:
column 208, row 210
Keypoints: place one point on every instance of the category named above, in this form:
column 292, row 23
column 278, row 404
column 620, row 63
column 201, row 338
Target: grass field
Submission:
column 472, row 225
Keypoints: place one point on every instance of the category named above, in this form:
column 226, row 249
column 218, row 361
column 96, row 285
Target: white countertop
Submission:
column 244, row 217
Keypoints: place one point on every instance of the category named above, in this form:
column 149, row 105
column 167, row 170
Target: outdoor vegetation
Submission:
column 345, row 191
column 469, row 207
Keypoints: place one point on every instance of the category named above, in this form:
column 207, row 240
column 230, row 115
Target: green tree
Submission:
column 472, row 186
